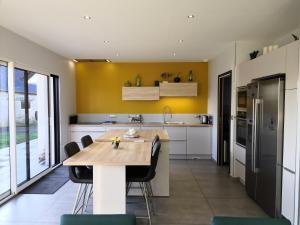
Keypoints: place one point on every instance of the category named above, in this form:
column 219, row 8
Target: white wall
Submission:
column 29, row 55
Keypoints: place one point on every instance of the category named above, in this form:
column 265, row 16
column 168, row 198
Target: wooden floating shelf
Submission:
column 178, row 89
column 140, row 93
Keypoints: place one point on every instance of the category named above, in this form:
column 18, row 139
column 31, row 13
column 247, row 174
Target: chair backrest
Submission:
column 115, row 219
column 86, row 141
column 71, row 149
column 156, row 138
column 154, row 156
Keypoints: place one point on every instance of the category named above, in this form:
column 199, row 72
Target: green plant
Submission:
column 165, row 76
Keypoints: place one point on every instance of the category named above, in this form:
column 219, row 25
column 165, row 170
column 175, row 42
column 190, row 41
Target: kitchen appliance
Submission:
column 204, row 119
column 241, row 127
column 265, row 101
column 241, row 131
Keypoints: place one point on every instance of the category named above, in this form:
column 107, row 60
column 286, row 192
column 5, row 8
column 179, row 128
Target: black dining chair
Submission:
column 86, row 141
column 143, row 175
column 81, row 175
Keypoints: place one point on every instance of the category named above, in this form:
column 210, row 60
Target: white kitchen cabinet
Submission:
column 265, row 65
column 239, row 170
column 290, row 130
column 176, row 133
column 177, row 147
column 150, row 128
column 199, row 141
column 288, row 195
column 120, row 127
column 78, row 131
column 292, row 65
column 240, row 154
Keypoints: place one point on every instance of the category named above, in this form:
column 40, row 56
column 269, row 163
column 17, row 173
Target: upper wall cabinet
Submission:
column 265, row 65
column 292, row 65
column 140, row 93
column 178, row 89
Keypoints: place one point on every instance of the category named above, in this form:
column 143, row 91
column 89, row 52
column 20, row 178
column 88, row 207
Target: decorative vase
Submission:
column 138, row 81
column 115, row 145
column 190, row 76
column 177, row 79
column 253, row 54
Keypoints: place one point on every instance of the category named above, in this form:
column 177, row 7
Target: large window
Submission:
column 4, row 134
column 32, row 124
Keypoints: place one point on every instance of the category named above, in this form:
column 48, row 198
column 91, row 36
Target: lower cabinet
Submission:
column 78, row 131
column 199, row 142
column 239, row 162
column 177, row 149
column 240, row 170
column 288, row 195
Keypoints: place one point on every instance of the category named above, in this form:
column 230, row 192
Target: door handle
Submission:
column 257, row 102
column 253, row 135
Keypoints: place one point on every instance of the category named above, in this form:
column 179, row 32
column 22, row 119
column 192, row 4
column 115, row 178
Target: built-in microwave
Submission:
column 242, row 99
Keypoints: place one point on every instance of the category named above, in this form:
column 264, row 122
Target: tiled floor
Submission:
column 199, row 190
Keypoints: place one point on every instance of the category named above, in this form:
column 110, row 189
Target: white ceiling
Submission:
column 147, row 30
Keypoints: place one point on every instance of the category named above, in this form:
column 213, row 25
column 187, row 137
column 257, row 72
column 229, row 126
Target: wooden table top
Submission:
column 144, row 135
column 102, row 153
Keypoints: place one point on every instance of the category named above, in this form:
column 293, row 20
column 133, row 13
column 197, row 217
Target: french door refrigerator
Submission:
column 265, row 109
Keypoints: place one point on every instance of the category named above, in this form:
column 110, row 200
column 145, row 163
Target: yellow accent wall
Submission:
column 99, row 87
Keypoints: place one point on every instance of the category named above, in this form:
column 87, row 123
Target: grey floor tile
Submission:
column 199, row 190
column 243, row 207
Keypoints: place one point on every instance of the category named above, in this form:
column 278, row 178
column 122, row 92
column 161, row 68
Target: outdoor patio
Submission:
column 35, row 166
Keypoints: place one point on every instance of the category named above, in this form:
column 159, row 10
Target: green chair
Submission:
column 219, row 220
column 98, row 220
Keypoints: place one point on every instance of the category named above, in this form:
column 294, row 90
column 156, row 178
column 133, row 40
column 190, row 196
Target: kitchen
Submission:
column 189, row 88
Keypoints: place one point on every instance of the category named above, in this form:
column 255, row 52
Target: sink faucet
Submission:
column 167, row 109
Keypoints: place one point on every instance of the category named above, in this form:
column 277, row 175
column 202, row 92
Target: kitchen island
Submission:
column 160, row 184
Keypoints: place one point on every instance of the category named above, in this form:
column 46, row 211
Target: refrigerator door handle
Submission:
column 254, row 145
column 253, row 137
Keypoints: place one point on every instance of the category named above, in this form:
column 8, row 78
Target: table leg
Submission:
column 109, row 190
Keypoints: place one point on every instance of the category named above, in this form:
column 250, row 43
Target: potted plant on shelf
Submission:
column 177, row 79
column 115, row 142
column 165, row 76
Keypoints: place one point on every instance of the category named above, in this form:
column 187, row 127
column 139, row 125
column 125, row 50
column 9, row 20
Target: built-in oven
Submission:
column 241, row 116
column 241, row 131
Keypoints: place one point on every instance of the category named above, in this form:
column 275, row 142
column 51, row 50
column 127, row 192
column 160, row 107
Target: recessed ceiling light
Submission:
column 86, row 17
column 191, row 16
column 180, row 41
column 106, row 41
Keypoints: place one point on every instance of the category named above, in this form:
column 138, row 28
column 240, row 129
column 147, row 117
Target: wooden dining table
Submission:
column 109, row 171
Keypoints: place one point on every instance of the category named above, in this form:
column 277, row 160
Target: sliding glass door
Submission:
column 32, row 124
column 4, row 134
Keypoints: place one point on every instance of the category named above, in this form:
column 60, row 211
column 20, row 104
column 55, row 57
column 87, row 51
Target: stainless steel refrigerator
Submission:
column 265, row 109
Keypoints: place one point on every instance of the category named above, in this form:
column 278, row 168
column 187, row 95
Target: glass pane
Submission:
column 31, row 103
column 38, row 123
column 4, row 133
column 20, row 126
